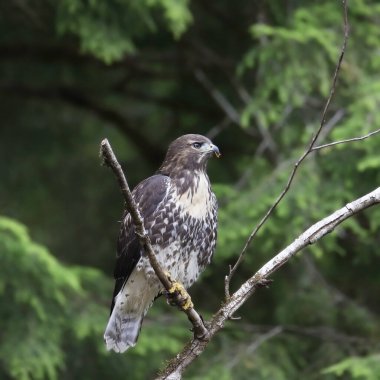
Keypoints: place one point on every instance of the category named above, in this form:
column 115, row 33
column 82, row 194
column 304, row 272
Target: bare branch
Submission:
column 79, row 99
column 299, row 161
column 319, row 147
column 229, row 110
column 326, row 333
column 110, row 160
column 310, row 236
column 254, row 345
column 218, row 128
column 338, row 297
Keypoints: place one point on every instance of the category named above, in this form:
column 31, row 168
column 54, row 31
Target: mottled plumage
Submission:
column 180, row 216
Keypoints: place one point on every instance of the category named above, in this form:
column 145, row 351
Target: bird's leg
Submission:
column 177, row 295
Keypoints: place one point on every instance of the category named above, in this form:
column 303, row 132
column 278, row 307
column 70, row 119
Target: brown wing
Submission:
column 149, row 196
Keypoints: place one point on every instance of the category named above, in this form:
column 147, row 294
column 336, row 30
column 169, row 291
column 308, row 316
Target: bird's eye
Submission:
column 197, row 145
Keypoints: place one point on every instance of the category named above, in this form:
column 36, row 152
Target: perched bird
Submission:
column 180, row 215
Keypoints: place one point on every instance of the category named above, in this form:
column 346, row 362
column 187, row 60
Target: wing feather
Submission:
column 148, row 195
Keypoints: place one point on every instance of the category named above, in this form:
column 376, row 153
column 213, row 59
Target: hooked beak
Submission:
column 215, row 149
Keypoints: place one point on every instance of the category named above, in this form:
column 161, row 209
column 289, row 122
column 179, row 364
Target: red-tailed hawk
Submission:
column 180, row 215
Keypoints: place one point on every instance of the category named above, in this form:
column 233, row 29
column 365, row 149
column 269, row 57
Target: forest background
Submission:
column 253, row 76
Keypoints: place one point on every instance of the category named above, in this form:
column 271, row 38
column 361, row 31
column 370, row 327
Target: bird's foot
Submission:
column 178, row 292
column 178, row 296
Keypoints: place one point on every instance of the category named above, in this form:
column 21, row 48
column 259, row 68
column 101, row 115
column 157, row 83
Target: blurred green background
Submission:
column 253, row 76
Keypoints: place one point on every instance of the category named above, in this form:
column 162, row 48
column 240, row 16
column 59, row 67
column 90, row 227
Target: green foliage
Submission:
column 270, row 62
column 40, row 301
column 108, row 29
column 50, row 313
column 176, row 12
column 362, row 368
column 287, row 70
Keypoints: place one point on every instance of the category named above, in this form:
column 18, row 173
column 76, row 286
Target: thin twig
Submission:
column 309, row 149
column 319, row 147
column 218, row 97
column 253, row 346
column 218, row 128
column 318, row 332
column 200, row 331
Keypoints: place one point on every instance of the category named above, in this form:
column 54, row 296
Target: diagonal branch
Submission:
column 316, row 232
column 253, row 346
column 228, row 109
column 309, row 149
column 79, row 99
column 200, row 331
column 319, row 147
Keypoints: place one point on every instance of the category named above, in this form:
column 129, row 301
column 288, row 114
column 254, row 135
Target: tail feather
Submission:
column 122, row 331
column 131, row 305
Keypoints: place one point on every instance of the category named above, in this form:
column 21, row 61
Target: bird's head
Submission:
column 189, row 152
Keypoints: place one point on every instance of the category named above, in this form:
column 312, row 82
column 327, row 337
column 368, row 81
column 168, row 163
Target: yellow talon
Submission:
column 188, row 304
column 178, row 287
